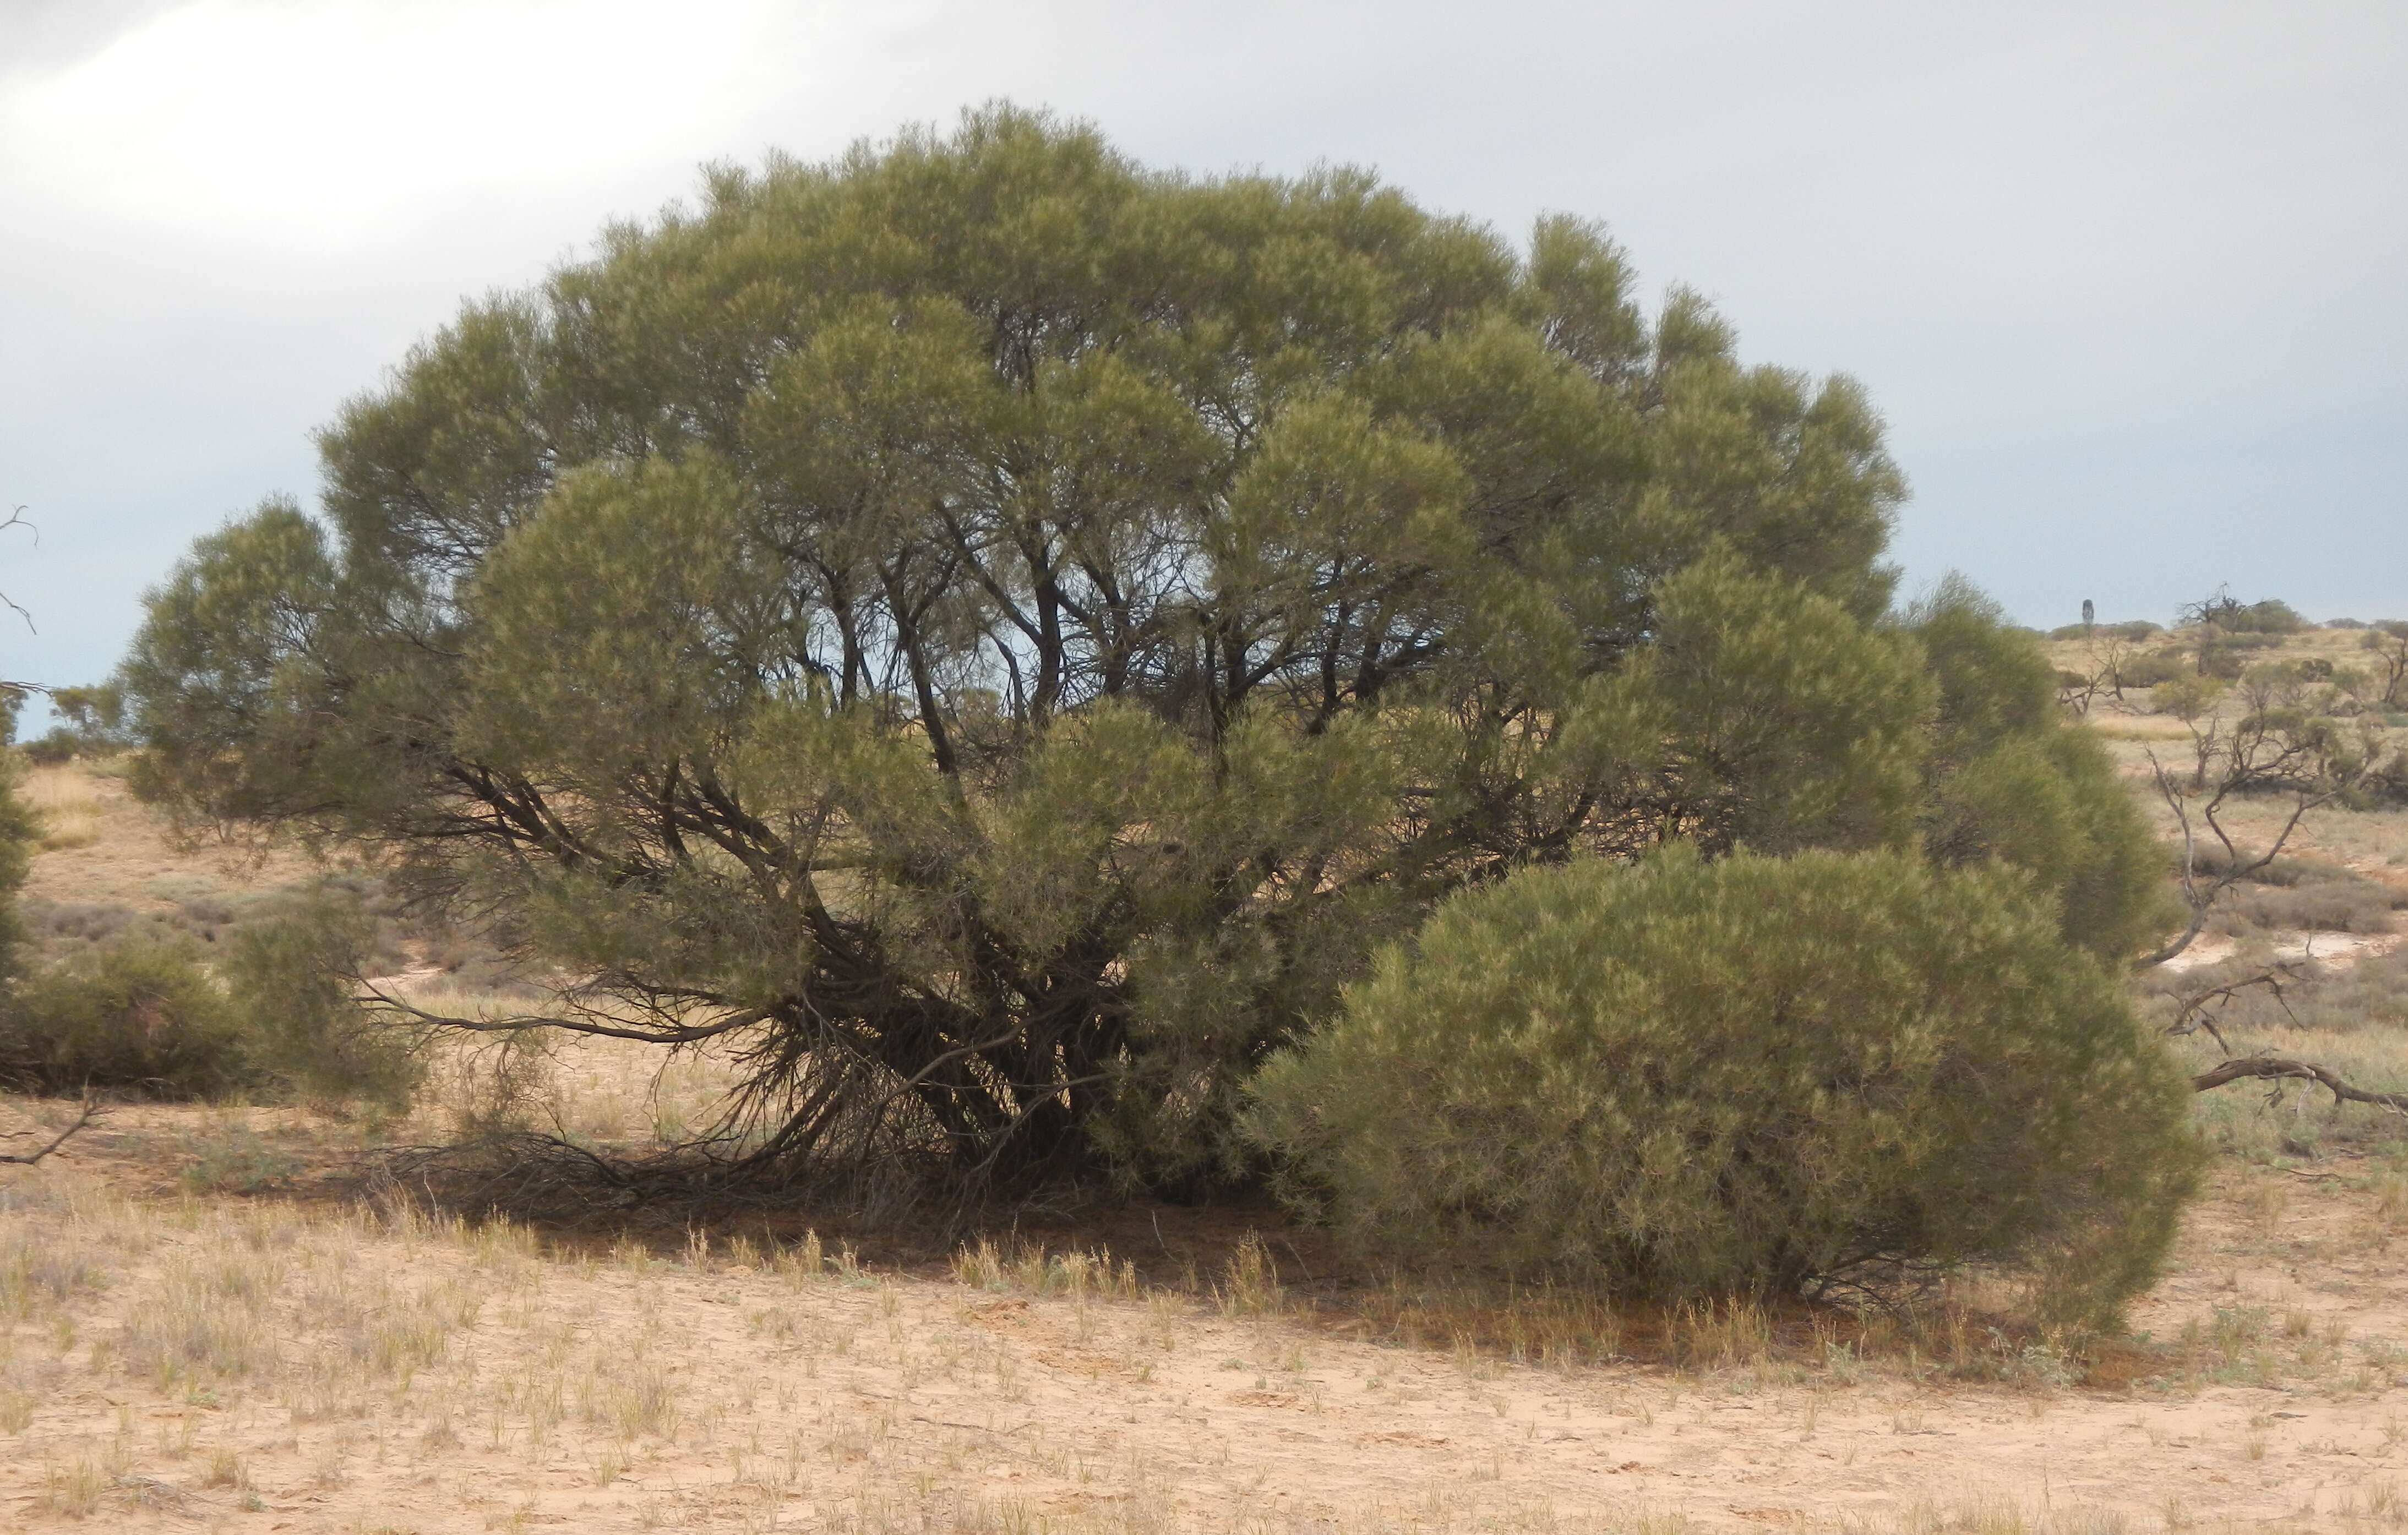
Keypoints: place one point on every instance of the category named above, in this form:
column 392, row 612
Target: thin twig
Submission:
column 2235, row 869
column 17, row 519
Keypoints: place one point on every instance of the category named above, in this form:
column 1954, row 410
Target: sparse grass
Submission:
column 231, row 1158
column 324, row 1351
column 107, row 874
column 1250, row 1282
column 2299, row 1120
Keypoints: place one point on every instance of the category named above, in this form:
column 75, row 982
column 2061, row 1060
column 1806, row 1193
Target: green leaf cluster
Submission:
column 2008, row 782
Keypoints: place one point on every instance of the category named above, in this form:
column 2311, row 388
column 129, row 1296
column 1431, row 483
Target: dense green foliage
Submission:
column 2009, row 782
column 1746, row 1074
column 1003, row 634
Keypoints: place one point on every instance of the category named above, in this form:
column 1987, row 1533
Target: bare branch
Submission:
column 17, row 518
column 90, row 1112
column 2278, row 1069
column 2235, row 868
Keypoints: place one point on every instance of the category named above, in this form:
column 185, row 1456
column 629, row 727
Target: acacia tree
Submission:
column 997, row 634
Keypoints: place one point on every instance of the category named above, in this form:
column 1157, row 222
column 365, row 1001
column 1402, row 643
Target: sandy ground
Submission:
column 246, row 1365
column 2333, row 950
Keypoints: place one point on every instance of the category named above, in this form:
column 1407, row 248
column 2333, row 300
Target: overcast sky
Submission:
column 2127, row 280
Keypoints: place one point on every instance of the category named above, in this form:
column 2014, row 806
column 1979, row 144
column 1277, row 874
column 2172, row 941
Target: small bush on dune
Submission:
column 1750, row 1076
column 2157, row 667
column 2138, row 628
column 151, row 1016
column 139, row 1015
column 2271, row 617
column 51, row 750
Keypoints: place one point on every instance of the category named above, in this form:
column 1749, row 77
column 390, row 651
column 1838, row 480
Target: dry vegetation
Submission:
column 228, row 1318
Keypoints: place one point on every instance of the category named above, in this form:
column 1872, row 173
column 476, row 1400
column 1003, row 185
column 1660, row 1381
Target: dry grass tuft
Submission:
column 69, row 804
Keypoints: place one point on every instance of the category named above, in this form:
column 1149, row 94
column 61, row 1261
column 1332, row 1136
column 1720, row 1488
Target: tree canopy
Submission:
column 1000, row 635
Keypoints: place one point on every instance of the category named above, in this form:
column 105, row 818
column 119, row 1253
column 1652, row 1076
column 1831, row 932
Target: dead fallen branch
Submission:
column 90, row 1112
column 2198, row 1010
column 2201, row 898
column 2280, row 1070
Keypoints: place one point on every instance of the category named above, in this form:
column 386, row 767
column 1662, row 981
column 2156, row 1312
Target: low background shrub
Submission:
column 153, row 1018
column 137, row 1016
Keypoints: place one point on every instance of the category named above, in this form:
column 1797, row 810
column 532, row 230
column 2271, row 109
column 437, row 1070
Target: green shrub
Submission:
column 304, row 1034
column 2187, row 697
column 1684, row 1077
column 2383, row 787
column 2157, row 666
column 234, row 1160
column 141, row 1016
column 149, row 1015
column 2271, row 617
column 2006, row 780
column 49, row 750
